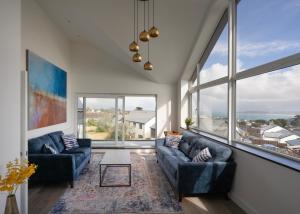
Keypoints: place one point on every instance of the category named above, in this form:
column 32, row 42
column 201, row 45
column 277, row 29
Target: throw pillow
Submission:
column 202, row 156
column 48, row 149
column 70, row 141
column 173, row 141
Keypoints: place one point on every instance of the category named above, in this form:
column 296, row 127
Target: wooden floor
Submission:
column 42, row 198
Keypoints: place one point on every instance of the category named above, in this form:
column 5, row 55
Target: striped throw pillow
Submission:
column 202, row 156
column 70, row 141
column 47, row 149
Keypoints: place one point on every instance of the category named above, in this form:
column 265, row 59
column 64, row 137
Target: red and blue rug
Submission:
column 150, row 192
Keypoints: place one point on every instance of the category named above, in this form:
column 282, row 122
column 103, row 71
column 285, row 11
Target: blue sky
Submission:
column 267, row 30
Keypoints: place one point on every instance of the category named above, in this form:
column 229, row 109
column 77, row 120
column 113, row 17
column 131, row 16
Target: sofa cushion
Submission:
column 171, row 165
column 164, row 151
column 218, row 151
column 35, row 145
column 79, row 157
column 172, row 141
column 84, row 150
column 189, row 136
column 58, row 141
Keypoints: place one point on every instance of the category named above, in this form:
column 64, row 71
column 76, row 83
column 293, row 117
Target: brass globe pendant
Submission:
column 137, row 57
column 144, row 36
column 153, row 32
column 148, row 66
column 134, row 47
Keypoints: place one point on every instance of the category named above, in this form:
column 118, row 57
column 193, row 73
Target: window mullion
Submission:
column 232, row 12
column 198, row 96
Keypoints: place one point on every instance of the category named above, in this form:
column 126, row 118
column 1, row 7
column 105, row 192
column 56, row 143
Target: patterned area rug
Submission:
column 150, row 191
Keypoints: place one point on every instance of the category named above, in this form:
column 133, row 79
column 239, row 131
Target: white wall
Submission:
column 264, row 187
column 43, row 37
column 94, row 71
column 10, row 51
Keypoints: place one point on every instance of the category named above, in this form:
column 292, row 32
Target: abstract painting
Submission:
column 47, row 93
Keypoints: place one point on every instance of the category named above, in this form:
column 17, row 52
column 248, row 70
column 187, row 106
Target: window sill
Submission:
column 261, row 153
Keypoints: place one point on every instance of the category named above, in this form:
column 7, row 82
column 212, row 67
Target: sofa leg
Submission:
column 179, row 197
column 71, row 184
column 226, row 197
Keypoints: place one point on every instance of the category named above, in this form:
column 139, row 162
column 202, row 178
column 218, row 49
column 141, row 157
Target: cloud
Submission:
column 254, row 49
column 214, row 72
column 276, row 92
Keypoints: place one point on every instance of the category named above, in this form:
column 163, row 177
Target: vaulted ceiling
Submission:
column 108, row 25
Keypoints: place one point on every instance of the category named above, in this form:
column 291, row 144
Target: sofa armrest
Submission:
column 159, row 142
column 205, row 177
column 84, row 142
column 61, row 165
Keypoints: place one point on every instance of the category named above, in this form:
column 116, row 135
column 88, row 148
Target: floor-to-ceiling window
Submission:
column 116, row 118
column 255, row 101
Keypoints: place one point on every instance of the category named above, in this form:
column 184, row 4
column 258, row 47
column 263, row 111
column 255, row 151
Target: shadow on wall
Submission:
column 165, row 109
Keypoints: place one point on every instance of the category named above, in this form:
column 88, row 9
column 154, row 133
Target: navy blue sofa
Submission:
column 63, row 167
column 189, row 178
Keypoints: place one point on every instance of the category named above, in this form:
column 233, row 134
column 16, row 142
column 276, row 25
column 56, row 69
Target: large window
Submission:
column 116, row 118
column 257, row 104
column 211, row 99
column 216, row 65
column 266, row 31
column 140, row 117
column 213, row 110
column 194, row 108
column 269, row 116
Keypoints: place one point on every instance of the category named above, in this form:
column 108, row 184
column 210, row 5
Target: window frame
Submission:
column 230, row 17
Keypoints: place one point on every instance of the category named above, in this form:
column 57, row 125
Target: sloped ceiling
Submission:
column 108, row 25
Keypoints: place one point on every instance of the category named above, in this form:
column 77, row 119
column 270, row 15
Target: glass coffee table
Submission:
column 115, row 158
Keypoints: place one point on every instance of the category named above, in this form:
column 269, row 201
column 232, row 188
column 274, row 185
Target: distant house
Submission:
column 141, row 124
column 284, row 137
column 294, row 144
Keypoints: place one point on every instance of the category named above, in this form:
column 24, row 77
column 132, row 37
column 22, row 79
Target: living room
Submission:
column 212, row 83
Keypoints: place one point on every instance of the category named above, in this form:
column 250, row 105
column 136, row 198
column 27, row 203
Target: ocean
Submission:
column 253, row 115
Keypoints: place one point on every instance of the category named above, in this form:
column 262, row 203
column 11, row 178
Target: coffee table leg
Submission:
column 100, row 184
column 129, row 169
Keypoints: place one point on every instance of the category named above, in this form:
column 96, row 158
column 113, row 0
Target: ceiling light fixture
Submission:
column 144, row 36
column 134, row 47
column 153, row 32
column 137, row 56
column 148, row 65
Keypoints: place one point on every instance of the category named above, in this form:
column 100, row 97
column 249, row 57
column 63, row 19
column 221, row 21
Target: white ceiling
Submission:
column 108, row 24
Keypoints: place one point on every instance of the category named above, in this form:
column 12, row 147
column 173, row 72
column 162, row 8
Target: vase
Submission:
column 11, row 205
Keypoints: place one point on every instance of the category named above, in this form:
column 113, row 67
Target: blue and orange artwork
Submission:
column 47, row 93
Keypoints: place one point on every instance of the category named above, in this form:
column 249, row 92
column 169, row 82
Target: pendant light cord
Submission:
column 144, row 15
column 137, row 21
column 134, row 20
column 153, row 13
column 148, row 29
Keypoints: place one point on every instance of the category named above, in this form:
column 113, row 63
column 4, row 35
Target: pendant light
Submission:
column 144, row 35
column 134, row 47
column 148, row 65
column 137, row 56
column 153, row 32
